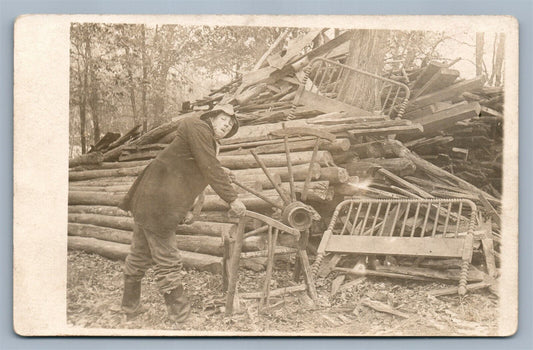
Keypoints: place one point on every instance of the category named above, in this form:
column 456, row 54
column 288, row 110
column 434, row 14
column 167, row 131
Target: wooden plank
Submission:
column 381, row 307
column 326, row 105
column 445, row 275
column 404, row 183
column 432, row 68
column 294, row 48
column 447, row 118
column 330, row 45
column 488, row 252
column 254, row 77
column 434, row 171
column 380, row 274
column 401, row 129
column 420, row 112
column 447, row 93
column 411, row 246
column 303, row 131
column 493, row 212
column 444, row 77
column 491, row 112
column 267, row 53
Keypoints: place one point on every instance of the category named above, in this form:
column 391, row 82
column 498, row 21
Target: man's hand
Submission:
column 237, row 208
column 189, row 218
column 230, row 175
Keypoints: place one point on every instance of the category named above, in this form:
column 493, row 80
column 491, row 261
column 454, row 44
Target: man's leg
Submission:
column 137, row 262
column 167, row 268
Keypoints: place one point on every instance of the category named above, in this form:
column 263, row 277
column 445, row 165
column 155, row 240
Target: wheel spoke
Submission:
column 289, row 166
column 270, row 178
column 308, row 177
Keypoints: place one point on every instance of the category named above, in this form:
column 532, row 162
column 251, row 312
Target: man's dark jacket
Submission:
column 164, row 193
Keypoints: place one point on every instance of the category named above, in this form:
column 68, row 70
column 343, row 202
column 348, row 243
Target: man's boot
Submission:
column 178, row 307
column 131, row 299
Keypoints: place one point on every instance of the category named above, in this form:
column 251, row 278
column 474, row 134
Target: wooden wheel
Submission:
column 294, row 213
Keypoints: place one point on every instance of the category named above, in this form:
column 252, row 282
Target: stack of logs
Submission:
column 426, row 154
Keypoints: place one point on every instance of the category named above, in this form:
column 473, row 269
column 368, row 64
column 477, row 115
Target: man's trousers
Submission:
column 158, row 249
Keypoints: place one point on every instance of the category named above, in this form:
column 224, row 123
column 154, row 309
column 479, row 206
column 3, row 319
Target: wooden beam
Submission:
column 447, row 93
column 401, row 129
column 432, row 68
column 272, row 47
column 294, row 48
column 447, row 118
column 444, row 77
column 410, row 246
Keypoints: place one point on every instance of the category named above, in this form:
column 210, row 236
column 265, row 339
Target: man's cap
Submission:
column 225, row 108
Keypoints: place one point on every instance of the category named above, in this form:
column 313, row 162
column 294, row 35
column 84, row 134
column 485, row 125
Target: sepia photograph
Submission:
column 274, row 177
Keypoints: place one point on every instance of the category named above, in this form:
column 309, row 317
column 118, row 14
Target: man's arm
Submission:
column 201, row 141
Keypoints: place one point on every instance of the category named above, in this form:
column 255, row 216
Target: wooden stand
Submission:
column 232, row 255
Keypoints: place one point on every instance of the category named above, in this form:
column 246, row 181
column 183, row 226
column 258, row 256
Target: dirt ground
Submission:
column 94, row 289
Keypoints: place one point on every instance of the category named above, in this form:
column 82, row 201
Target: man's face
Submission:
column 222, row 125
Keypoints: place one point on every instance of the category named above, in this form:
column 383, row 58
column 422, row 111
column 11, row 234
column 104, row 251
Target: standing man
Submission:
column 162, row 196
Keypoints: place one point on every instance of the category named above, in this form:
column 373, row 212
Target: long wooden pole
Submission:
column 267, row 53
column 289, row 167
column 258, row 194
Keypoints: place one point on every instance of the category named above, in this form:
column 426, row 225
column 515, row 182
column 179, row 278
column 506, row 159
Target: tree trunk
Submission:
column 215, row 203
column 339, row 145
column 334, row 175
column 145, row 79
column 93, row 158
column 99, row 232
column 119, row 251
column 98, row 198
column 97, row 209
column 117, row 222
column 91, row 174
column 93, row 94
column 83, row 96
column 203, row 228
column 499, row 60
column 105, row 181
column 109, row 189
column 366, row 52
column 95, row 116
column 479, row 53
column 299, row 172
column 132, row 84
column 274, row 160
column 192, row 243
